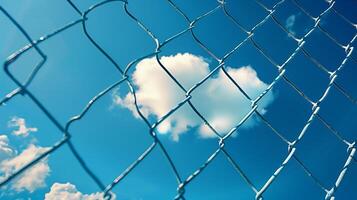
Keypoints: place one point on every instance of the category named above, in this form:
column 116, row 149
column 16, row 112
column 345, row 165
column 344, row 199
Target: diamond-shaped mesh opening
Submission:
column 214, row 24
column 292, row 189
column 256, row 157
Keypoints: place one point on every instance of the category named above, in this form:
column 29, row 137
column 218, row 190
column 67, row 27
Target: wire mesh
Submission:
column 182, row 182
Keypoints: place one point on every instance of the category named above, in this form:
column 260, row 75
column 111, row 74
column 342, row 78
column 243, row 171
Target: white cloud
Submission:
column 22, row 130
column 5, row 150
column 69, row 191
column 217, row 99
column 289, row 23
column 33, row 177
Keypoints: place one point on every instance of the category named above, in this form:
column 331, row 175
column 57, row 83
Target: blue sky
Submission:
column 110, row 136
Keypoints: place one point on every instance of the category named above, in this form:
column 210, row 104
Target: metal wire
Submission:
column 182, row 182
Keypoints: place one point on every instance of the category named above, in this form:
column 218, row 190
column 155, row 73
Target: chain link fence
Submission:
column 281, row 68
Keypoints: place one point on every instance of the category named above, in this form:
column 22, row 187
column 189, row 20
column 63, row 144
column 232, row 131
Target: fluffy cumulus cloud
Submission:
column 69, row 191
column 5, row 149
column 22, row 129
column 218, row 99
column 33, row 177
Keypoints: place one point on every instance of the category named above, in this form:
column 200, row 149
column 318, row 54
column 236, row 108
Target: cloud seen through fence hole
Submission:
column 218, row 99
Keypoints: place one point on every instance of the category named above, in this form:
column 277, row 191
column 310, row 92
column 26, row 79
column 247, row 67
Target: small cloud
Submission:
column 69, row 191
column 218, row 99
column 22, row 130
column 5, row 150
column 290, row 23
column 32, row 178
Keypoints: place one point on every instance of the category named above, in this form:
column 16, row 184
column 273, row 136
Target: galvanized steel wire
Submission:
column 182, row 182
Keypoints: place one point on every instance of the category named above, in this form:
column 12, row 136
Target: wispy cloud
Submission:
column 290, row 22
column 33, row 177
column 69, row 191
column 218, row 99
column 22, row 129
column 5, row 150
